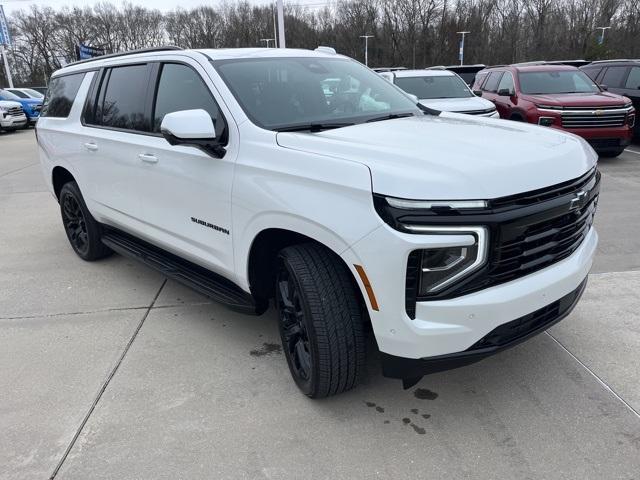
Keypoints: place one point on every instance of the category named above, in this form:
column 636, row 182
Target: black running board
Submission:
column 194, row 276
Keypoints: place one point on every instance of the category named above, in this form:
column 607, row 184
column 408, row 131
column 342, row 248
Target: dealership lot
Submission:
column 109, row 371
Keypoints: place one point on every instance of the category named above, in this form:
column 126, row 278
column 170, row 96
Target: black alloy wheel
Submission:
column 293, row 328
column 83, row 232
column 75, row 224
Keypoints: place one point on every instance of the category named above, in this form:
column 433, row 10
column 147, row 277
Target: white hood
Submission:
column 458, row 104
column 453, row 156
column 9, row 104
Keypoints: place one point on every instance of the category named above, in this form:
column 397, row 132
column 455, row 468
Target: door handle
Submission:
column 92, row 147
column 147, row 157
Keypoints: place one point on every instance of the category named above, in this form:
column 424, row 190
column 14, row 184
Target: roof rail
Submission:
column 525, row 64
column 436, row 67
column 387, row 69
column 617, row 60
column 123, row 54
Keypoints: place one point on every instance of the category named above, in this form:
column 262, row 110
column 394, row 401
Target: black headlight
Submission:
column 441, row 266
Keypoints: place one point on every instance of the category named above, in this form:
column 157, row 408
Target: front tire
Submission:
column 83, row 232
column 320, row 320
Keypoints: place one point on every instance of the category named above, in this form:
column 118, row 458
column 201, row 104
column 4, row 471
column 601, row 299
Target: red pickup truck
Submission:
column 563, row 97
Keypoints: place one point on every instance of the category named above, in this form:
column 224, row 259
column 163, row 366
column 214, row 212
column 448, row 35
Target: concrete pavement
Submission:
column 109, row 371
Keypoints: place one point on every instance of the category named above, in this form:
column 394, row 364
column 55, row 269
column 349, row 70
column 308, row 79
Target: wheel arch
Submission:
column 518, row 116
column 60, row 176
column 262, row 256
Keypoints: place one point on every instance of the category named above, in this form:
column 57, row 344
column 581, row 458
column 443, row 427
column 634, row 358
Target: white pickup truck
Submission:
column 306, row 178
column 12, row 117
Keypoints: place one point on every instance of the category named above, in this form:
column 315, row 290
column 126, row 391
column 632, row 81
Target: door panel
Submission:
column 185, row 192
column 116, row 123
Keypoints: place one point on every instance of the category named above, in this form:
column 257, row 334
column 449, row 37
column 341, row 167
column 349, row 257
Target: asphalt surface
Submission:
column 111, row 372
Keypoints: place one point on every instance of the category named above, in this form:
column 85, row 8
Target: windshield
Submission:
column 277, row 93
column 20, row 94
column 34, row 93
column 450, row 86
column 566, row 81
column 6, row 95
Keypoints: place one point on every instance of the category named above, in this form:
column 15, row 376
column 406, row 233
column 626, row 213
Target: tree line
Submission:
column 411, row 33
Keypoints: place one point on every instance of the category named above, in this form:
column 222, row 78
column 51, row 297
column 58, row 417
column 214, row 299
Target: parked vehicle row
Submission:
column 30, row 106
column 306, row 178
column 561, row 97
column 551, row 94
column 441, row 90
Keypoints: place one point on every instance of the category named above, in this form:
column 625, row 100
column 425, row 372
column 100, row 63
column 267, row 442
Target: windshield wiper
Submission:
column 313, row 127
column 390, row 116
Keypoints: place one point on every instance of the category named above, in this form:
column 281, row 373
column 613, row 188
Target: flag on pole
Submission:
column 84, row 52
column 5, row 38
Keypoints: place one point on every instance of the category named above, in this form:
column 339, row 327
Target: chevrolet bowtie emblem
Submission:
column 578, row 200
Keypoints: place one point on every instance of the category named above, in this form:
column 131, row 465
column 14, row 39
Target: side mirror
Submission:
column 604, row 87
column 191, row 127
column 504, row 92
column 477, row 93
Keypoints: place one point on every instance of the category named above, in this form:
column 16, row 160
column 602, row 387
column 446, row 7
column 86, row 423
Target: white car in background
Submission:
column 25, row 92
column 12, row 117
column 441, row 90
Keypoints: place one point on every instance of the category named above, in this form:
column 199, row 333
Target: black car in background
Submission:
column 621, row 77
column 466, row 72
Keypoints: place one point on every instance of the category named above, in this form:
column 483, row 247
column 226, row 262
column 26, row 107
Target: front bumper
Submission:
column 13, row 121
column 453, row 325
column 500, row 338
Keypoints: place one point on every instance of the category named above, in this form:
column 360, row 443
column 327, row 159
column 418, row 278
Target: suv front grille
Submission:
column 15, row 111
column 487, row 111
column 594, row 117
column 525, row 246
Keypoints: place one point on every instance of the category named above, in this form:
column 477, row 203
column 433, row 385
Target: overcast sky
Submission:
column 12, row 5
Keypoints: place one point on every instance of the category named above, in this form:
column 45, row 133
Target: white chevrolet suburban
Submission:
column 306, row 178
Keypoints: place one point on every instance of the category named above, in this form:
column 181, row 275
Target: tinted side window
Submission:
column 492, row 82
column 633, row 81
column 479, row 79
column 181, row 88
column 592, row 72
column 614, row 76
column 506, row 83
column 61, row 94
column 122, row 99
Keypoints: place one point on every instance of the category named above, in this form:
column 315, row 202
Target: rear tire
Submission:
column 83, row 232
column 320, row 320
column 611, row 153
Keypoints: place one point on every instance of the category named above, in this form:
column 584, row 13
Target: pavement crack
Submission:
column 106, row 383
column 105, row 310
column 594, row 375
column 18, row 169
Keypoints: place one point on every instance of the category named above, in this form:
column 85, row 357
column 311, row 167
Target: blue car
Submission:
column 31, row 106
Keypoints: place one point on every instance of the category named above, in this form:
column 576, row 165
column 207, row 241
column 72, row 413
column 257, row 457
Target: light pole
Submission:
column 280, row 8
column 268, row 40
column 366, row 48
column 461, row 53
column 602, row 34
